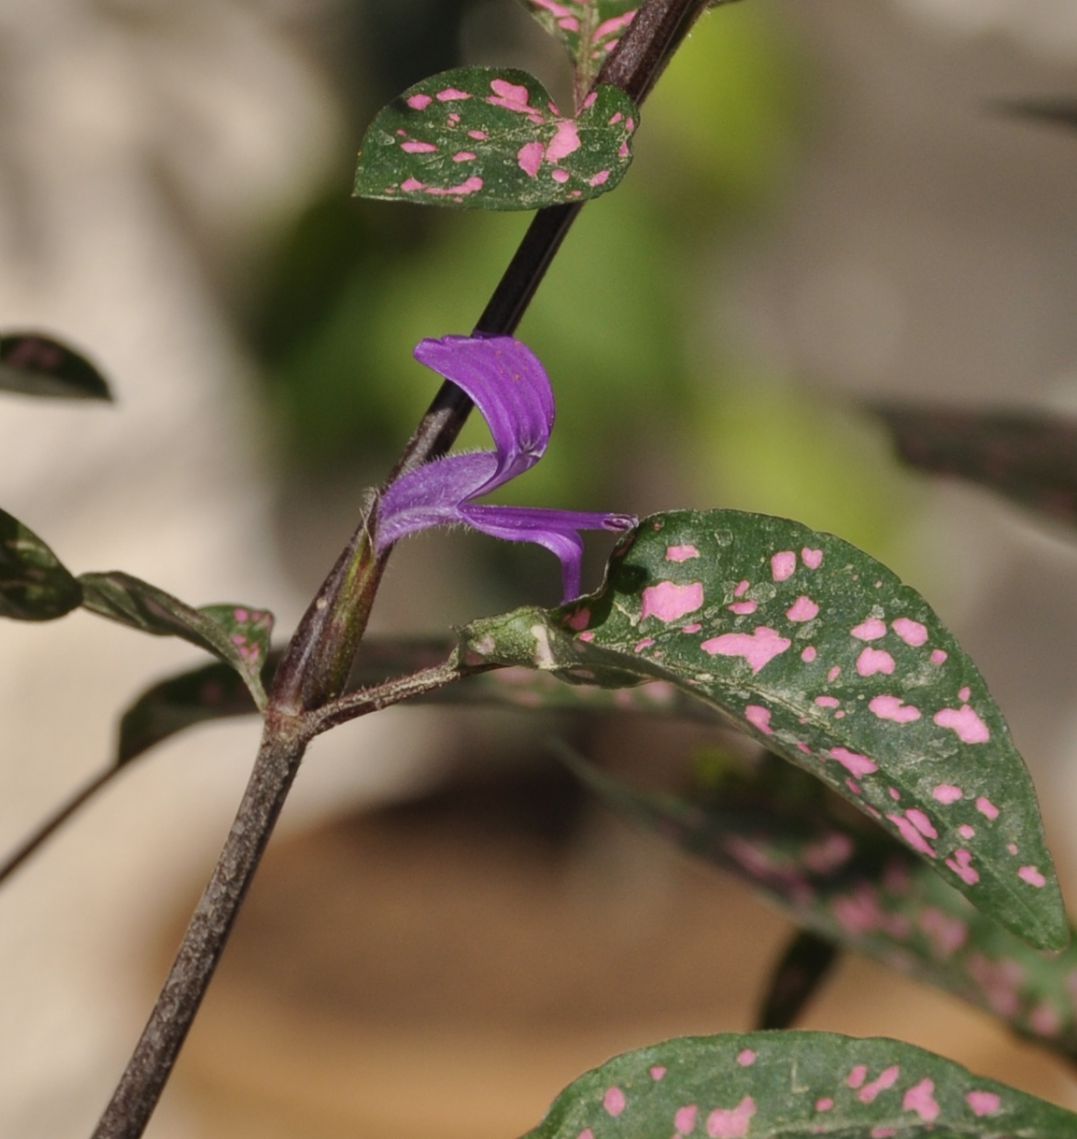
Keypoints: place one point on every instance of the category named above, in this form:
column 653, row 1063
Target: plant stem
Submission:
column 147, row 1072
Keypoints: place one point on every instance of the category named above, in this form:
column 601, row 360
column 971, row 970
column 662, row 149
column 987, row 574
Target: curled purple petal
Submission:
column 512, row 392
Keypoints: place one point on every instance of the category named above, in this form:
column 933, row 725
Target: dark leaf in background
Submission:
column 798, row 845
column 804, row 966
column 1059, row 111
column 1029, row 457
column 34, row 584
column 33, row 364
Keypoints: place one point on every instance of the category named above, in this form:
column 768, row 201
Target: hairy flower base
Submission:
column 508, row 385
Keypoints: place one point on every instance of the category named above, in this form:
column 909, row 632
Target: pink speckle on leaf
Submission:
column 857, row 1077
column 872, row 661
column 644, row 643
column 413, row 146
column 694, row 627
column 685, row 1119
column 893, row 708
column 886, row 1079
column 857, row 765
column 742, row 588
column 987, row 808
column 529, row 158
column 824, row 1104
column 586, row 1133
column 783, row 565
column 961, row 865
column 614, row 1101
column 471, row 185
column 922, row 823
column 813, row 559
column 731, row 1123
column 828, row 702
column 834, row 673
column 418, row 102
column 809, row 654
column 451, row 94
column 965, row 723
column 513, row 97
column 983, row 1103
column 658, row 1072
column 560, row 176
column 411, row 185
column 758, row 648
column 681, row 553
column 743, row 608
column 803, row 609
column 964, row 695
column 946, row 793
column 566, row 141
column 1032, row 876
column 912, row 836
column 599, row 179
column 911, row 632
column 759, row 718
column 870, row 630
column 966, row 832
column 464, row 156
column 669, row 601
column 939, row 656
column 478, row 136
column 746, row 1058
column 947, row 934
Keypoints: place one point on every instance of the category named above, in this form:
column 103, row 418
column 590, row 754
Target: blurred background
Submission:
column 826, row 205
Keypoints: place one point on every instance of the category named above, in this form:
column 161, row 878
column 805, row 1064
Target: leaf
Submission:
column 827, row 659
column 34, row 583
column 215, row 692
column 1030, row 457
column 492, row 139
column 805, row 964
column 587, row 29
column 794, row 1085
column 1059, row 111
column 236, row 634
column 33, row 364
column 779, row 831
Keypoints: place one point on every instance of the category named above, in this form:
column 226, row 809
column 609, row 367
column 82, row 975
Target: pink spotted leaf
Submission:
column 851, row 885
column 821, row 654
column 492, row 139
column 237, row 634
column 787, row 1085
column 588, row 29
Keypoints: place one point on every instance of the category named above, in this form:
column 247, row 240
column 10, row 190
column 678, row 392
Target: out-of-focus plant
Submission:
column 891, row 814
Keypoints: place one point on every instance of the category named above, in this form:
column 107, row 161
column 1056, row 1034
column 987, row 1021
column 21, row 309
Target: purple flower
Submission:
column 509, row 387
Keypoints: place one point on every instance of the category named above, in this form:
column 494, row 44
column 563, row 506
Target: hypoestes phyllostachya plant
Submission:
column 849, row 683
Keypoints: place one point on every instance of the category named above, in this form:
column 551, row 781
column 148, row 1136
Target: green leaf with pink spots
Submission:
column 840, row 879
column 34, row 584
column 794, row 1085
column 34, row 364
column 821, row 654
column 1030, row 457
column 588, row 29
column 492, row 139
column 237, row 634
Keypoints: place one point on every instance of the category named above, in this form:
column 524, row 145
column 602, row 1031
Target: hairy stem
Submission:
column 147, row 1072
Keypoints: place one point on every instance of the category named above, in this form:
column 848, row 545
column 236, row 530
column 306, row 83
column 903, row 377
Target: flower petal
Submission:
column 557, row 530
column 509, row 387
